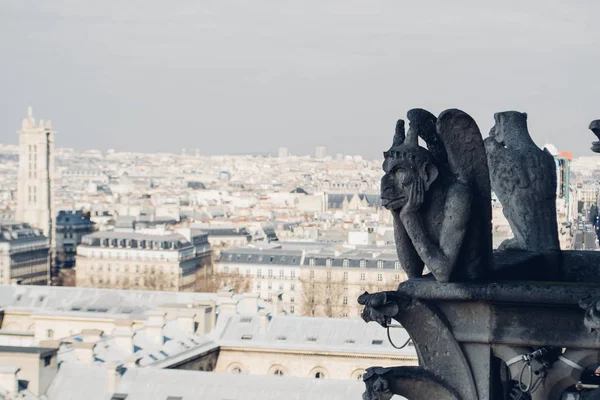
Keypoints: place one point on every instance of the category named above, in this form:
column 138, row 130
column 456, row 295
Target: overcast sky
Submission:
column 235, row 76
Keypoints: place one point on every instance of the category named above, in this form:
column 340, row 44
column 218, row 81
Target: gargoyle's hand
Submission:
column 415, row 199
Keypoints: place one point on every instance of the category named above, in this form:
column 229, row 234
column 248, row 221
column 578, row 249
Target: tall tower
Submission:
column 36, row 171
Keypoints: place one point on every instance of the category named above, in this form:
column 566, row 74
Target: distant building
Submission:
column 35, row 176
column 24, row 255
column 320, row 152
column 283, row 152
column 143, row 260
column 71, row 226
column 314, row 280
column 224, row 238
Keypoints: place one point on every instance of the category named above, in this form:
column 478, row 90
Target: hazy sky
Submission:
column 249, row 76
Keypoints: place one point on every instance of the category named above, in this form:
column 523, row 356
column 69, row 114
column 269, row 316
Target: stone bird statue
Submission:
column 524, row 179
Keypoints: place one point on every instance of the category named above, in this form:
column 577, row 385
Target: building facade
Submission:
column 71, row 227
column 35, row 176
column 312, row 282
column 144, row 259
column 24, row 255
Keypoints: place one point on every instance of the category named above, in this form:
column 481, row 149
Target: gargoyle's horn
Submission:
column 399, row 136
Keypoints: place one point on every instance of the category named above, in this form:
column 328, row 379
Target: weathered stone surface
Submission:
column 409, row 382
column 595, row 127
column 440, row 196
column 524, row 179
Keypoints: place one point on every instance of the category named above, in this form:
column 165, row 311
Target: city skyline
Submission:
column 336, row 74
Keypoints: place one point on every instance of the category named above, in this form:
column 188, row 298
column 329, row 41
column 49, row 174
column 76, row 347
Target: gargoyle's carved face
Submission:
column 396, row 186
column 402, row 173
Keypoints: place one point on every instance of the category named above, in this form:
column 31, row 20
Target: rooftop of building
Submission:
column 95, row 302
column 73, row 218
column 90, row 382
column 11, row 231
column 341, row 335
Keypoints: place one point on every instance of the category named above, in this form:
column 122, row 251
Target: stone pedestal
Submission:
column 470, row 338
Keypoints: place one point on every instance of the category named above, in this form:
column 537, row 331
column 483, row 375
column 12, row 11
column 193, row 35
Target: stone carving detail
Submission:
column 524, row 179
column 443, row 368
column 595, row 127
column 408, row 382
column 591, row 306
column 440, row 196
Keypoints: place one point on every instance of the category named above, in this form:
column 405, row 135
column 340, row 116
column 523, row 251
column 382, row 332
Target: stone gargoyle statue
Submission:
column 440, row 197
column 523, row 178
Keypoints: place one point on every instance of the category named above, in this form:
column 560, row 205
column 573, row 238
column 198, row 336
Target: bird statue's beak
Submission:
column 595, row 127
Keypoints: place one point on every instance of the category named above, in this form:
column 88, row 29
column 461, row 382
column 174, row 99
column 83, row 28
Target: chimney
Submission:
column 228, row 306
column 264, row 321
column 9, row 380
column 277, row 307
column 124, row 339
column 113, row 371
column 154, row 327
column 91, row 335
column 249, row 303
column 84, row 351
column 186, row 321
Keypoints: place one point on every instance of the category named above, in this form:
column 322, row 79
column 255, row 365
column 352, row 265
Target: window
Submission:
column 377, row 342
column 293, row 274
column 248, row 273
column 278, row 372
column 362, row 276
column 271, row 259
column 346, row 263
column 293, row 287
column 292, row 308
column 258, row 285
column 236, row 370
column 328, row 262
column 122, row 396
column 379, row 277
column 291, row 299
column 312, row 274
column 319, row 375
column 47, row 361
column 226, row 270
column 281, row 274
column 281, row 286
column 270, row 273
column 345, row 300
column 246, row 337
column 380, row 264
column 50, row 334
column 397, row 265
column 345, row 276
column 363, row 263
column 397, row 277
column 311, row 262
column 259, row 273
column 328, row 275
column 270, row 285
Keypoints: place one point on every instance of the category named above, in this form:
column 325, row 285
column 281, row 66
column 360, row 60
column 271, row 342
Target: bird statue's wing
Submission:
column 464, row 146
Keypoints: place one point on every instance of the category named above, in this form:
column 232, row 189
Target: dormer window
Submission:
column 380, row 264
column 363, row 263
column 328, row 262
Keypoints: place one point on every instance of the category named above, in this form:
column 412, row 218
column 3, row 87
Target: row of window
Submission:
column 270, row 286
column 279, row 370
column 346, row 263
column 144, row 268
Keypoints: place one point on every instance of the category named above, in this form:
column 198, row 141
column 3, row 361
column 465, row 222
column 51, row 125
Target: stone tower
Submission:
column 35, row 180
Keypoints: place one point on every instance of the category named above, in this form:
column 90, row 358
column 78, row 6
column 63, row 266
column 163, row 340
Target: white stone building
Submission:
column 24, row 255
column 144, row 259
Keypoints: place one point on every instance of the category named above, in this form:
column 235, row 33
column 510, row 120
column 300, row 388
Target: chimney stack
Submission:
column 9, row 380
column 113, row 371
column 264, row 321
column 84, row 351
column 186, row 320
column 154, row 326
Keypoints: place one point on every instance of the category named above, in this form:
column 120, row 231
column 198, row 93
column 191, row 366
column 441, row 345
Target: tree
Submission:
column 210, row 283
